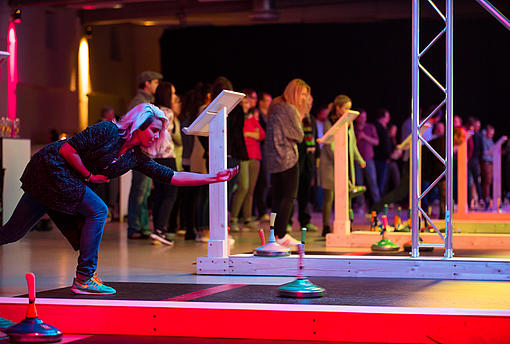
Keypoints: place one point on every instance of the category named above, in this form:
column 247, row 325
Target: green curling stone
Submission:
column 385, row 246
column 301, row 288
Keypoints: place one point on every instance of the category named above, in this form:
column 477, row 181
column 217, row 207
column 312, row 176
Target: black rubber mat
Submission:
column 381, row 292
column 339, row 291
column 130, row 291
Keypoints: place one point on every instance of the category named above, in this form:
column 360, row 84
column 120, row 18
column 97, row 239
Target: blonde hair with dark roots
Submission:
column 136, row 117
column 292, row 94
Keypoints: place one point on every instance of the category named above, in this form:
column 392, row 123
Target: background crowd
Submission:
column 282, row 167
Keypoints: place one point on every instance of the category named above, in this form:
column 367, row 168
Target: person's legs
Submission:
column 305, row 181
column 137, row 196
column 393, row 175
column 144, row 206
column 326, row 211
column 253, row 173
column 486, row 182
column 26, row 214
column 476, row 179
column 285, row 184
column 260, row 192
column 164, row 198
column 232, row 162
column 95, row 212
column 381, row 167
column 370, row 175
column 242, row 189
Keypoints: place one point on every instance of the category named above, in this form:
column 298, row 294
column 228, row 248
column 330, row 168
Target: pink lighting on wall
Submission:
column 12, row 71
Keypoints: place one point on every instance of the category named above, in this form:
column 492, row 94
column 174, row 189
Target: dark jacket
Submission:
column 236, row 147
column 51, row 181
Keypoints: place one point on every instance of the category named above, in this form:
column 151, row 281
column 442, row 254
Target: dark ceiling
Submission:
column 250, row 12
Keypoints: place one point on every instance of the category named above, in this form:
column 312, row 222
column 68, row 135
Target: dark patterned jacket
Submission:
column 50, row 180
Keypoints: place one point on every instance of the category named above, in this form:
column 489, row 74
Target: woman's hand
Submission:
column 226, row 175
column 98, row 179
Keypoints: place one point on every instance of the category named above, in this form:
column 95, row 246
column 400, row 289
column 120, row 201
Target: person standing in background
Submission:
column 341, row 105
column 261, row 188
column 138, row 207
column 284, row 132
column 367, row 139
column 248, row 173
column 164, row 195
column 308, row 151
column 383, row 150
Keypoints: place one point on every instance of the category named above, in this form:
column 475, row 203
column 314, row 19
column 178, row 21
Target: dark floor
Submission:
column 345, row 291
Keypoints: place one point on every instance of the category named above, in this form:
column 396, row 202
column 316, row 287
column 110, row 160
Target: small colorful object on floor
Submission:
column 385, row 245
column 397, row 222
column 271, row 248
column 32, row 329
column 301, row 287
column 373, row 221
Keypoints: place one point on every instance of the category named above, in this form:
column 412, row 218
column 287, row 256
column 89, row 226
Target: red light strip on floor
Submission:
column 204, row 292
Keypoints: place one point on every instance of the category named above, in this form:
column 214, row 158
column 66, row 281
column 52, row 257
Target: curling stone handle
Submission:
column 385, row 225
column 271, row 220
column 31, row 286
column 301, row 254
column 262, row 238
column 303, row 235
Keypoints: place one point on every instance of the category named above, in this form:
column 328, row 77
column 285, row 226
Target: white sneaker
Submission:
column 288, row 241
column 159, row 236
column 231, row 241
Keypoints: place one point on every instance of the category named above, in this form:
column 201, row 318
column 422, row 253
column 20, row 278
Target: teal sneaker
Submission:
column 92, row 286
column 5, row 323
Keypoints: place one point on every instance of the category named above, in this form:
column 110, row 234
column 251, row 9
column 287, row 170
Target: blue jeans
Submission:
column 368, row 177
column 138, row 207
column 28, row 212
column 381, row 167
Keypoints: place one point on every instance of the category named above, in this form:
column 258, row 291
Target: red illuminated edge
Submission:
column 259, row 306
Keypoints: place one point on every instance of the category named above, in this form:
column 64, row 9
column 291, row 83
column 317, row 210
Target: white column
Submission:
column 342, row 224
column 218, row 242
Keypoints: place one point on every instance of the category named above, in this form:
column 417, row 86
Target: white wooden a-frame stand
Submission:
column 339, row 135
column 212, row 122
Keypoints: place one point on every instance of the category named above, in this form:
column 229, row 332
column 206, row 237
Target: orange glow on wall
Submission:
column 83, row 83
column 12, row 71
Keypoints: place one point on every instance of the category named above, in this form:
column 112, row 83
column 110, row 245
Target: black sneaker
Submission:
column 159, row 236
column 325, row 230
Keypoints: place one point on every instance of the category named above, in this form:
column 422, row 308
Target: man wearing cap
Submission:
column 138, row 213
column 148, row 82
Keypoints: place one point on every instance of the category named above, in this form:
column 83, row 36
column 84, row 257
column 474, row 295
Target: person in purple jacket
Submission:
column 59, row 179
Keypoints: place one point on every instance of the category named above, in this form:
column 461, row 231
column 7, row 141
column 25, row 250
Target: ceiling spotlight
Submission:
column 16, row 16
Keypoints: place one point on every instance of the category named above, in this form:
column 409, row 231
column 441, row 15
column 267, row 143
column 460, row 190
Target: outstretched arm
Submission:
column 191, row 179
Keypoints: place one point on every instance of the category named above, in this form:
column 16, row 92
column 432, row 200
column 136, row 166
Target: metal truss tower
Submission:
column 418, row 124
